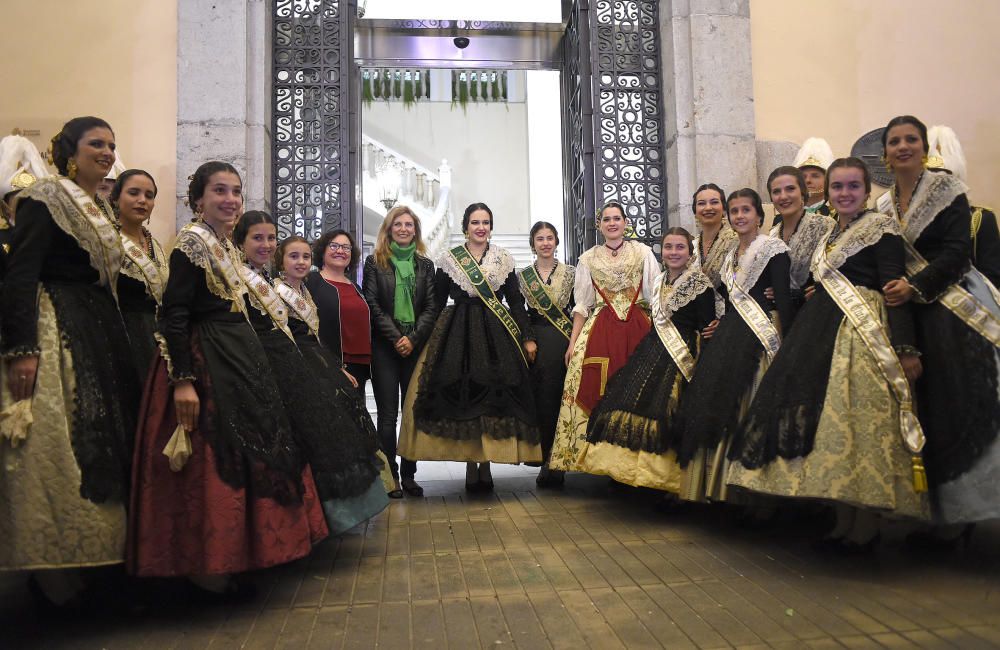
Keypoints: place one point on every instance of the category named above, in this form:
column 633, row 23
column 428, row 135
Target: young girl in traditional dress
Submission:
column 628, row 432
column 470, row 398
column 741, row 349
column 613, row 289
column 144, row 267
column 833, row 416
column 232, row 493
column 328, row 418
column 547, row 287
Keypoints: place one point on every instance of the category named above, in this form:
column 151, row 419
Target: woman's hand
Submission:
column 187, row 405
column 897, row 292
column 569, row 351
column 912, row 367
column 350, row 377
column 531, row 350
column 769, row 293
column 710, row 329
column 809, row 291
column 404, row 347
column 21, row 377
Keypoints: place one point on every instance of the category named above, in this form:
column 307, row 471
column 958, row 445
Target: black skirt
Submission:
column 330, row 424
column 956, row 395
column 140, row 327
column 710, row 407
column 474, row 369
column 548, row 374
column 107, row 388
column 785, row 413
column 638, row 402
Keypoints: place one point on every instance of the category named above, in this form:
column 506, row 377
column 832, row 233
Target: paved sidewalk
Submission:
column 592, row 565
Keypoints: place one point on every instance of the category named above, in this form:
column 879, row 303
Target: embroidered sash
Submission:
column 472, row 271
column 153, row 274
column 301, row 303
column 264, row 294
column 539, row 298
column 670, row 337
column 959, row 301
column 871, row 331
column 752, row 313
column 214, row 256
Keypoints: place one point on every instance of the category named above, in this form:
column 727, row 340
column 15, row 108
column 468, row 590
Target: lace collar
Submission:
column 497, row 264
column 752, row 263
column 139, row 265
column 691, row 284
column 861, row 233
column 559, row 286
column 810, row 232
column 711, row 262
column 616, row 274
column 934, row 192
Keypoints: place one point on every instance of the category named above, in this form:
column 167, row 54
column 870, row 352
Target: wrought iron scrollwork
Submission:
column 629, row 155
column 310, row 171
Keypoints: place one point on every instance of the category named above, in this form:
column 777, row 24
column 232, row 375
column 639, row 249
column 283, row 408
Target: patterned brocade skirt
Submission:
column 857, row 455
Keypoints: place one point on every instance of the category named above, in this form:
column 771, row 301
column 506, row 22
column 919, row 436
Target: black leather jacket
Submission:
column 379, row 289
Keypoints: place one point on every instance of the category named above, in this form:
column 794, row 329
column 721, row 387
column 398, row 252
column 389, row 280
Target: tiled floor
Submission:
column 592, row 565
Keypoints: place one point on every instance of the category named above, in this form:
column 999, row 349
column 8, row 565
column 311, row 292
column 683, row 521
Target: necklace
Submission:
column 899, row 209
column 614, row 251
column 552, row 271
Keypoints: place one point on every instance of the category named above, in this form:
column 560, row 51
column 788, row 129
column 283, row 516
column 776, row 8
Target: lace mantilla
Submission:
column 85, row 219
column 560, row 287
column 691, row 284
column 753, row 261
column 138, row 265
column 497, row 264
column 865, row 232
column 265, row 299
column 812, row 230
column 218, row 259
column 711, row 262
column 615, row 274
column 935, row 192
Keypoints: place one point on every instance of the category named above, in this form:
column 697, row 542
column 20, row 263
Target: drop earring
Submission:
column 71, row 169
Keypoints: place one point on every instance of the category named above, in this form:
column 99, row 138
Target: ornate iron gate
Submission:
column 312, row 166
column 613, row 127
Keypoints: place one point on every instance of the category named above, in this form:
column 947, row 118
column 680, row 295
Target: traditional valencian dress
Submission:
column 833, row 417
column 338, row 437
column 140, row 289
column 809, row 233
column 732, row 364
column 711, row 260
column 628, row 432
column 64, row 453
column 244, row 499
column 549, row 303
column 471, row 398
column 613, row 290
column 957, row 312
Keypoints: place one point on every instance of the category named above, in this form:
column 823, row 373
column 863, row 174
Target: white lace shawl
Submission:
column 497, row 264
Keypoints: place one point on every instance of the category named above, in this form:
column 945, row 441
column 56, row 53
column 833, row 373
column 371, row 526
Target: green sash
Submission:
column 475, row 274
column 542, row 301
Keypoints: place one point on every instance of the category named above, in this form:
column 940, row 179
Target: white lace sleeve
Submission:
column 583, row 291
column 650, row 270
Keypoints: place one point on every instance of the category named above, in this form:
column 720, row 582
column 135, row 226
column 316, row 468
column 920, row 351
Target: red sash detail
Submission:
column 612, row 341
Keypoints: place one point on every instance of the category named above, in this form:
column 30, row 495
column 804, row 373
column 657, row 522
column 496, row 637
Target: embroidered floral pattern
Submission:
column 497, row 264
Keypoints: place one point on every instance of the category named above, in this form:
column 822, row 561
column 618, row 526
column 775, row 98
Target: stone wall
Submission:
column 223, row 94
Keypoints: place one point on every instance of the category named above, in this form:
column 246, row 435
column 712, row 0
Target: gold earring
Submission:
column 924, row 159
column 71, row 169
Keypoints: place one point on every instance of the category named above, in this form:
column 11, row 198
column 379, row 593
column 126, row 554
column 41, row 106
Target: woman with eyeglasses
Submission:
column 344, row 318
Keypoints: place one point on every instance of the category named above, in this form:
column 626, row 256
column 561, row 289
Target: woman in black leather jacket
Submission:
column 398, row 286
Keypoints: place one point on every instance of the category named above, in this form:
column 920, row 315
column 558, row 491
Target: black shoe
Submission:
column 410, row 487
column 926, row 541
column 847, row 547
column 395, row 494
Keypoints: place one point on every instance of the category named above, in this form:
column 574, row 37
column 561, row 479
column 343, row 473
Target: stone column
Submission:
column 223, row 94
column 708, row 99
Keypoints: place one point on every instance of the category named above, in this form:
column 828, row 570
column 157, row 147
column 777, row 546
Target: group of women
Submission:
column 202, row 414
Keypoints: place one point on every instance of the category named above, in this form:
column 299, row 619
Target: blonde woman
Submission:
column 398, row 286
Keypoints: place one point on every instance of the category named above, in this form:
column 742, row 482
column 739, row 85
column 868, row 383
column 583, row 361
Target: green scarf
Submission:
column 406, row 280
